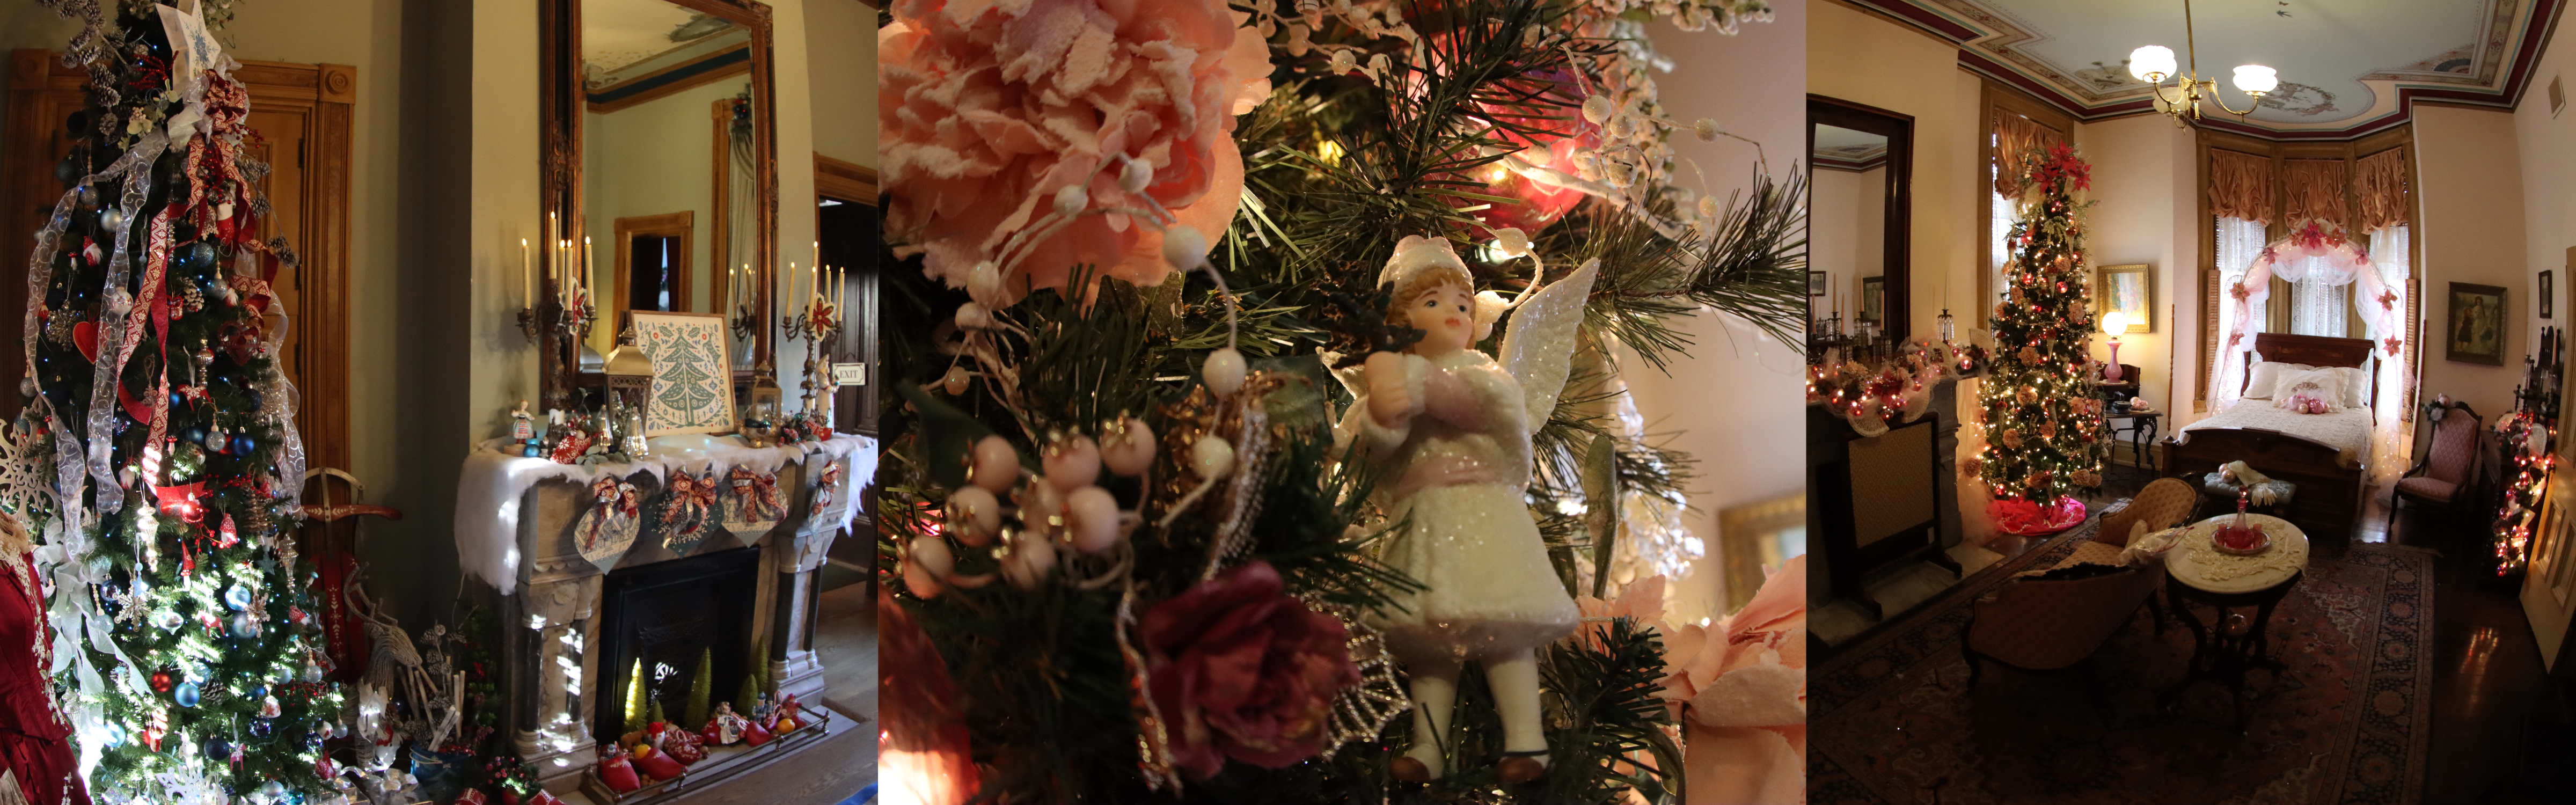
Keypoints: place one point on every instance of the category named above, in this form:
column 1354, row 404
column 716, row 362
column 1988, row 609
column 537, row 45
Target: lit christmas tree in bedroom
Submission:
column 2043, row 425
column 156, row 453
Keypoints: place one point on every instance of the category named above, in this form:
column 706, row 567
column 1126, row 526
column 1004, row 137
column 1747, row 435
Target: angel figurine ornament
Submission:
column 1452, row 428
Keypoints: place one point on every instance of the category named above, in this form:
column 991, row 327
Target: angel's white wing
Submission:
column 1538, row 349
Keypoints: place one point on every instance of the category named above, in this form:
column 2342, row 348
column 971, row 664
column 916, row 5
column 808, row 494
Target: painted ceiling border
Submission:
column 2538, row 25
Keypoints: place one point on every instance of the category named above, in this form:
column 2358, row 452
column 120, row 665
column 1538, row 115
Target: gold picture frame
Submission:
column 1753, row 541
column 2129, row 289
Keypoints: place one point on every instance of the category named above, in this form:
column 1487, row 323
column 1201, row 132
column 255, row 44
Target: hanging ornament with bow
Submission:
column 751, row 504
column 607, row 530
column 688, row 507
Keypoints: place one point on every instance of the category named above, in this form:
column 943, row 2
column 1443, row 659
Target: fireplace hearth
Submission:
column 666, row 616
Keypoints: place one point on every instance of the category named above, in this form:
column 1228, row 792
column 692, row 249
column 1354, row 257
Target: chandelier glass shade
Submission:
column 2180, row 92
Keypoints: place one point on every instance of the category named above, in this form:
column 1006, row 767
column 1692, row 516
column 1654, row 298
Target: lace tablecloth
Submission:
column 2198, row 563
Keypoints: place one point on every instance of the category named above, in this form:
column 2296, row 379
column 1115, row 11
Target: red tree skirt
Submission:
column 2025, row 518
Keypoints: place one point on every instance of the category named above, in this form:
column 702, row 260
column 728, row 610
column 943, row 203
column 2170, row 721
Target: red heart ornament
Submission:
column 85, row 336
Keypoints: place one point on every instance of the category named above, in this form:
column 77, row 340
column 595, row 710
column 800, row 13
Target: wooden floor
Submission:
column 2488, row 674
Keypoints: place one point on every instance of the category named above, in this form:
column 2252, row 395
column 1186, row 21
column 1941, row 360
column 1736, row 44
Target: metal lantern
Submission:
column 762, row 407
column 629, row 374
column 1949, row 327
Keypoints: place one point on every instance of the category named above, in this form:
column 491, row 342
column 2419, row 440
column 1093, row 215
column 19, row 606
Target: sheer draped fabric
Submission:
column 2392, row 435
column 2239, row 242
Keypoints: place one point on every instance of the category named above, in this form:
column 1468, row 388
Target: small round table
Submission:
column 2196, row 572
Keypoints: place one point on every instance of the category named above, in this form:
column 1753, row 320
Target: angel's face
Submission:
column 1446, row 315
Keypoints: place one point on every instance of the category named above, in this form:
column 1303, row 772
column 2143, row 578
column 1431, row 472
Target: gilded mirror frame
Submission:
column 561, row 107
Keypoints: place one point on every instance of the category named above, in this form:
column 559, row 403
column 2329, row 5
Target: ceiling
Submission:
column 619, row 33
column 2346, row 66
column 1845, row 149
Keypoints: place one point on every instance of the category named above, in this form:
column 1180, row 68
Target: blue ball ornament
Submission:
column 197, row 435
column 238, row 597
column 197, row 257
column 262, row 727
column 242, row 444
column 217, row 749
column 185, row 694
column 244, row 627
column 177, row 399
column 114, row 736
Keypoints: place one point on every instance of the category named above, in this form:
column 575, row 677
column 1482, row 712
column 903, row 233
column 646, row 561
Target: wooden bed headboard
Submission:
column 2312, row 350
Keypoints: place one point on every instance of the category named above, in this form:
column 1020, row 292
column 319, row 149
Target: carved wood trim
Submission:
column 42, row 92
column 682, row 225
column 844, row 180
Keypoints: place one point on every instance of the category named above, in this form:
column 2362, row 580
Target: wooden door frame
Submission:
column 326, row 95
column 683, row 225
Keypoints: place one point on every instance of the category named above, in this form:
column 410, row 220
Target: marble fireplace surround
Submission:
column 552, row 678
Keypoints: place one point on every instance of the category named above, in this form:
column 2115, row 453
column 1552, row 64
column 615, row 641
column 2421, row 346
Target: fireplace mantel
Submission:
column 555, row 596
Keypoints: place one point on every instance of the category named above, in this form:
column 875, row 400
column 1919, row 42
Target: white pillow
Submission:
column 2263, row 379
column 2325, row 384
column 2356, row 387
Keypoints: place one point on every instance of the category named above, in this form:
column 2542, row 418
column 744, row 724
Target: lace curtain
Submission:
column 2317, row 306
column 2239, row 242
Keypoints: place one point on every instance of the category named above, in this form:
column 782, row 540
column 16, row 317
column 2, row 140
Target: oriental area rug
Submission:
column 2347, row 723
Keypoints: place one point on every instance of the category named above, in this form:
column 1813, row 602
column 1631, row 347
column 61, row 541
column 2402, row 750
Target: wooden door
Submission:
column 303, row 111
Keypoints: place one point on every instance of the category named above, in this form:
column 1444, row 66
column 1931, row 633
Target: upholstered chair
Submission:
column 2037, row 623
column 2448, row 474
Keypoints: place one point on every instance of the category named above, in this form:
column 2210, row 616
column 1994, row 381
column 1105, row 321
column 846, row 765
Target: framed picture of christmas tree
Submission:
column 692, row 376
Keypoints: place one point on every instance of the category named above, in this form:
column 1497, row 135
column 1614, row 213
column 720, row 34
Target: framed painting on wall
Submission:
column 1816, row 282
column 1873, row 298
column 2129, row 290
column 1754, row 539
column 692, row 375
column 2474, row 332
column 2548, row 293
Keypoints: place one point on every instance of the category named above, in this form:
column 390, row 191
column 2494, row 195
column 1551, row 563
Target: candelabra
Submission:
column 820, row 322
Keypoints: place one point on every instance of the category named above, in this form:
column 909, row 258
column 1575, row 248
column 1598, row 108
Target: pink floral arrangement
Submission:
column 992, row 112
column 1240, row 669
column 1740, row 690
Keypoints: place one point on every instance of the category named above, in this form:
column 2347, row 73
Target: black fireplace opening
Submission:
column 669, row 615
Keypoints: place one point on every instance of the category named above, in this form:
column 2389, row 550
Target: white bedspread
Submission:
column 2347, row 431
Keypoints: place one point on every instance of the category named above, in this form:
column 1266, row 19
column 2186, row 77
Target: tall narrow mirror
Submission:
column 1860, row 172
column 659, row 164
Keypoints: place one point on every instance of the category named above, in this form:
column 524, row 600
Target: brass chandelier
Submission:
column 2155, row 63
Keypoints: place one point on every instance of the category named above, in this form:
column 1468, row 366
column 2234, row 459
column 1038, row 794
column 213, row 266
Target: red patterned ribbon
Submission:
column 691, row 499
column 605, row 493
column 759, row 491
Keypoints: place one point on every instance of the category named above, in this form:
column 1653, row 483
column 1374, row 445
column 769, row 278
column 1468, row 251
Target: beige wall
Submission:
column 1833, row 235
column 1725, row 403
column 1863, row 59
column 2144, row 181
column 841, row 47
column 2473, row 231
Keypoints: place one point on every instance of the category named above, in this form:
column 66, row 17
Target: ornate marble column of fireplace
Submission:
column 554, row 675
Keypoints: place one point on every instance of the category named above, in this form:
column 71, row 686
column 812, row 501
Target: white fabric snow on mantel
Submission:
column 489, row 488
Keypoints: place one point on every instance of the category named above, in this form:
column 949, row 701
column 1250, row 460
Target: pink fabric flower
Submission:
column 991, row 107
column 1740, row 691
column 1241, row 670
column 1643, row 601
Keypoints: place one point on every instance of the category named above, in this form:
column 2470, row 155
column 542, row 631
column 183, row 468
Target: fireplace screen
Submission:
column 664, row 618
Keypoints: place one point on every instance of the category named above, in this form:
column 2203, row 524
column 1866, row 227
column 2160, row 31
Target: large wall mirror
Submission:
column 659, row 151
column 1860, row 169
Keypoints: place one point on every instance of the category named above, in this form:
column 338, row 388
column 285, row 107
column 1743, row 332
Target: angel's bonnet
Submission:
column 1422, row 263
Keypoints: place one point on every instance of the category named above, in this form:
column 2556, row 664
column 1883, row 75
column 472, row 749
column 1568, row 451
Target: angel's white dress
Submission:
column 1489, row 584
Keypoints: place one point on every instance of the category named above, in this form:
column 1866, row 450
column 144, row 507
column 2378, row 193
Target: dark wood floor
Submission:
column 2488, row 676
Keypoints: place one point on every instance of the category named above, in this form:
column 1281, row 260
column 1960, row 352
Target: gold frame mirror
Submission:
column 735, row 209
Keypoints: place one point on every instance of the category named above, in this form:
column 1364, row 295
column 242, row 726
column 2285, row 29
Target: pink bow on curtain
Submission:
column 2342, row 261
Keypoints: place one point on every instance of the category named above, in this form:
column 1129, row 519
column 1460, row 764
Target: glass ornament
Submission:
column 186, row 694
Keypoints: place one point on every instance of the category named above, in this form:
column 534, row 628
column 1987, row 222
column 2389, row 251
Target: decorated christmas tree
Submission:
column 156, row 450
column 1144, row 542
column 2043, row 424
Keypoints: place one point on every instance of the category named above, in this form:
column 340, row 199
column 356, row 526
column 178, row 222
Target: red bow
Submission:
column 759, row 491
column 691, row 498
column 608, row 495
